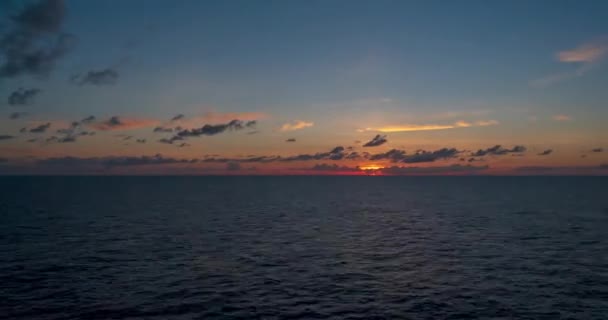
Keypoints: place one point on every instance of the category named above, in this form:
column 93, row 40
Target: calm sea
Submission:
column 304, row 247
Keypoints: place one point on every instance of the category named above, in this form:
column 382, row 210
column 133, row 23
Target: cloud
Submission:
column 429, row 127
column 395, row 155
column 290, row 140
column 112, row 161
column 597, row 150
column 87, row 120
column 22, row 96
column 162, row 130
column 233, row 166
column 177, row 117
column 140, row 140
column 106, row 76
column 431, row 156
column 35, row 41
column 17, row 115
column 546, row 152
column 41, row 128
column 118, row 123
column 586, row 53
column 498, row 150
column 452, row 169
column 5, row 137
column 170, row 140
column 334, row 168
column 296, row 125
column 378, row 140
column 213, row 129
column 337, row 153
column 586, row 56
column 561, row 117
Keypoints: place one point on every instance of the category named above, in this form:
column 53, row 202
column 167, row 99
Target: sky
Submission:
column 304, row 87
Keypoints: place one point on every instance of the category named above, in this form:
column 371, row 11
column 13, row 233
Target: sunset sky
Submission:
column 304, row 87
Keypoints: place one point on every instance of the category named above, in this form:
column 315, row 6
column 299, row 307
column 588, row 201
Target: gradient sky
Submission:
column 461, row 87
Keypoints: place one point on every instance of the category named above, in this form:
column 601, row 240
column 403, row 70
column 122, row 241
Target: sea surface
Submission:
column 304, row 247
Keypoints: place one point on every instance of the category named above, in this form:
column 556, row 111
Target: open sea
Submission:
column 304, row 248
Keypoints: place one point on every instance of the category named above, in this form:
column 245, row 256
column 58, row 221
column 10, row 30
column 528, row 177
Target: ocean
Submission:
column 304, row 247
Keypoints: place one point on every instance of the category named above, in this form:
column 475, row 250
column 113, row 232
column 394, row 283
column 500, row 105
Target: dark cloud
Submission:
column 87, row 120
column 251, row 124
column 162, row 130
column 41, row 128
column 183, row 145
column 456, row 168
column 97, row 77
column 112, row 161
column 5, row 137
column 337, row 153
column 140, row 140
column 378, row 140
column 34, row 42
column 213, row 129
column 394, row 155
column 334, row 168
column 23, row 130
column 546, row 152
column 22, row 96
column 498, row 150
column 597, row 150
column 17, row 115
column 177, row 117
column 170, row 140
column 233, row 166
column 431, row 156
column 290, row 140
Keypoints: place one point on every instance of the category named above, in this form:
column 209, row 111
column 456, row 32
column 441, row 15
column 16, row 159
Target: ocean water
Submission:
column 304, row 247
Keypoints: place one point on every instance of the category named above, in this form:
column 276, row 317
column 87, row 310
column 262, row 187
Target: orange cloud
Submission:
column 589, row 52
column 296, row 125
column 561, row 117
column 427, row 127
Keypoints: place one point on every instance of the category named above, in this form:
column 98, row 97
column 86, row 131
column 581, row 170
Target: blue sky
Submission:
column 342, row 65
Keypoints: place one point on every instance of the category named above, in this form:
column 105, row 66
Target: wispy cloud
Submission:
column 427, row 127
column 561, row 117
column 586, row 56
column 296, row 125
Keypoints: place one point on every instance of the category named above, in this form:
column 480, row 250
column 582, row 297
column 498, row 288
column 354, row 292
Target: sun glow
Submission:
column 371, row 167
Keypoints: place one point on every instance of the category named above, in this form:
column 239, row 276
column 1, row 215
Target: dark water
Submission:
column 303, row 248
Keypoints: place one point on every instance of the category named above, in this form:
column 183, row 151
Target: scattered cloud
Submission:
column 17, row 115
column 118, row 123
column 41, row 128
column 34, row 41
column 22, row 96
column 140, row 140
column 177, row 117
column 452, row 169
column 213, row 129
column 334, row 168
column 112, row 161
column 378, row 140
column 498, row 150
column 395, row 155
column 296, row 125
column 106, row 76
column 290, row 140
column 162, row 130
column 233, row 166
column 546, row 152
column 561, row 117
